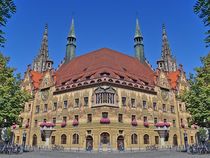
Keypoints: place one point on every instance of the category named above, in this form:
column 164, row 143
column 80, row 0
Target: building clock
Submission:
column 164, row 95
column 44, row 95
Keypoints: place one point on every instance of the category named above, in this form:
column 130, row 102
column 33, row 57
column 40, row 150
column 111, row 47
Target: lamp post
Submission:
column 24, row 139
column 185, row 140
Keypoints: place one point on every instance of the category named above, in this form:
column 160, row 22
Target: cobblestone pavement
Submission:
column 157, row 154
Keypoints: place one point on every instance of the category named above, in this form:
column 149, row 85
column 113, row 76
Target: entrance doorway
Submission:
column 105, row 138
column 34, row 142
column 175, row 143
column 89, row 143
column 120, row 143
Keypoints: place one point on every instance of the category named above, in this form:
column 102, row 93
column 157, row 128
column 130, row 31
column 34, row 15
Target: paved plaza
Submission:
column 157, row 154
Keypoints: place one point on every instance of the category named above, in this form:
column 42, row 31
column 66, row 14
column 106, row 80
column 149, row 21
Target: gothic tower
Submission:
column 42, row 62
column 71, row 44
column 138, row 43
column 167, row 61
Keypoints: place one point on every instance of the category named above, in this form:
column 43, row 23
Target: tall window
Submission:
column 146, row 139
column 155, row 120
column 133, row 117
column 53, row 140
column 120, row 117
column 65, row 104
column 85, row 101
column 45, row 107
column 164, row 120
column 164, row 107
column 154, row 106
column 54, row 120
column 134, row 139
column 105, row 95
column 180, row 107
column 76, row 102
column 123, row 101
column 156, row 139
column 144, row 104
column 174, row 123
column 55, row 106
column 75, row 139
column 35, row 123
column 76, row 117
column 64, row 119
column 172, row 109
column 133, row 102
column 63, row 139
column 29, row 107
column 104, row 114
column 89, row 118
column 37, row 109
column 145, row 119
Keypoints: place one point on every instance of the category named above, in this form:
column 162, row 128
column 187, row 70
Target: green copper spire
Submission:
column 72, row 30
column 138, row 43
column 71, row 43
column 138, row 31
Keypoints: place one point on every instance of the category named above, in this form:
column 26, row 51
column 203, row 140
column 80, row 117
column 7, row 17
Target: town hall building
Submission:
column 105, row 100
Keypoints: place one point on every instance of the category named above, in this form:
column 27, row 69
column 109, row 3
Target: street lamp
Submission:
column 24, row 139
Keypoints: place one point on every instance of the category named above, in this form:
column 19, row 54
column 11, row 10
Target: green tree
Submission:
column 202, row 9
column 7, row 8
column 12, row 97
column 197, row 98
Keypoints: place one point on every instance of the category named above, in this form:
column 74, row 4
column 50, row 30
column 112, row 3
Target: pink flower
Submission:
column 75, row 122
column 167, row 124
column 63, row 124
column 105, row 121
column 182, row 125
column 146, row 124
column 134, row 122
column 160, row 124
column 27, row 125
column 47, row 124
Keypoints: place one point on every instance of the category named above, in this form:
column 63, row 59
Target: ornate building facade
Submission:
column 105, row 100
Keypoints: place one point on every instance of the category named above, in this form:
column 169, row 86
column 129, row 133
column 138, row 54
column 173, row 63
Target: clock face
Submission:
column 44, row 95
column 164, row 95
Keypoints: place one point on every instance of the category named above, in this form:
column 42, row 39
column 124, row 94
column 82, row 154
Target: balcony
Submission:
column 105, row 121
column 75, row 122
column 134, row 122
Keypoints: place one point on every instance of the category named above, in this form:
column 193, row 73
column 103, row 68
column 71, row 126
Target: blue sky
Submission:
column 105, row 23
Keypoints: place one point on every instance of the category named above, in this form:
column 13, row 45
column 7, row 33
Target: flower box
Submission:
column 182, row 125
column 160, row 124
column 104, row 121
column 146, row 124
column 13, row 126
column 47, row 124
column 63, row 124
column 75, row 122
column 167, row 124
column 26, row 125
column 134, row 122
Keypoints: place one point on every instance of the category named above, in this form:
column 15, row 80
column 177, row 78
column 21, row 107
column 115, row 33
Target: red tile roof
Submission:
column 36, row 77
column 105, row 62
column 173, row 78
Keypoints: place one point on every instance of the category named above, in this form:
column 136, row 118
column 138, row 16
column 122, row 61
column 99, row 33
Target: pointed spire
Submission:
column 71, row 43
column 72, row 30
column 138, row 43
column 44, row 46
column 165, row 44
column 138, row 31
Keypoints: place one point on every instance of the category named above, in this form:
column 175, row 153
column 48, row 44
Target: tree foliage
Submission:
column 7, row 8
column 202, row 9
column 197, row 98
column 12, row 97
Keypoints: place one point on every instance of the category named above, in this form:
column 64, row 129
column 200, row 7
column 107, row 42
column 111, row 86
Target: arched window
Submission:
column 75, row 139
column 34, row 143
column 175, row 142
column 146, row 139
column 134, row 139
column 105, row 95
column 63, row 139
